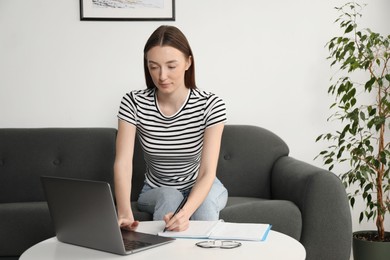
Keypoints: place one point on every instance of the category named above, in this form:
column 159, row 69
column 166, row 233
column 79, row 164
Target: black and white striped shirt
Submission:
column 172, row 145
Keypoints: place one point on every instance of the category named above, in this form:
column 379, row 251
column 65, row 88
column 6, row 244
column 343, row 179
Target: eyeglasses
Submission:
column 224, row 244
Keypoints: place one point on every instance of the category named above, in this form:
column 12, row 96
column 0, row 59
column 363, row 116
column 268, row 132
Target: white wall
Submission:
column 265, row 58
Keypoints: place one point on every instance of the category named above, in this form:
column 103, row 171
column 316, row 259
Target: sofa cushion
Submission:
column 22, row 225
column 140, row 215
column 283, row 215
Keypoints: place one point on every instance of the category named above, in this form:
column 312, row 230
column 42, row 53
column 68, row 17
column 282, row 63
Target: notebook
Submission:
column 84, row 214
column 222, row 230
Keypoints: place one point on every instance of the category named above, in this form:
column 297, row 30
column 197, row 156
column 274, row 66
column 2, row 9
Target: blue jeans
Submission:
column 162, row 200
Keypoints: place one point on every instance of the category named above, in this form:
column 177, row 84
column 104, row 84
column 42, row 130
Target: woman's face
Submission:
column 167, row 66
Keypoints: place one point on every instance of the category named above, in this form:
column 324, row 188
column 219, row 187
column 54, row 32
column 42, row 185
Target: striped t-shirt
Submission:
column 172, row 145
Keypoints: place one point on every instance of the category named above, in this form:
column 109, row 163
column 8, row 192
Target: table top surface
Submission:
column 276, row 246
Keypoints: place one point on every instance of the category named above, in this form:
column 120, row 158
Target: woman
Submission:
column 180, row 129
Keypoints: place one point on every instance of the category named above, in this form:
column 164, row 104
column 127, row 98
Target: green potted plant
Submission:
column 361, row 108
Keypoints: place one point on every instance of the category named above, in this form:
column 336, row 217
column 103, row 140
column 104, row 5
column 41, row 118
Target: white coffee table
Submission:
column 277, row 246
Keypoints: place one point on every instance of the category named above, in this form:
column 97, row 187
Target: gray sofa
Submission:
column 265, row 185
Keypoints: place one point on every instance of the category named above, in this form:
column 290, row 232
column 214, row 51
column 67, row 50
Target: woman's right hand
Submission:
column 128, row 224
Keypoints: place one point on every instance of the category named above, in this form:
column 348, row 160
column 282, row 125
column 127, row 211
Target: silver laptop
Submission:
column 84, row 214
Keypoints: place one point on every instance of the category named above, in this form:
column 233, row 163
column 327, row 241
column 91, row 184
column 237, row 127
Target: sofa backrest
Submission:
column 247, row 156
column 26, row 154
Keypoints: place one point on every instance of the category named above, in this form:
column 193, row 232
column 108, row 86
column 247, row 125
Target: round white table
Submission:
column 277, row 246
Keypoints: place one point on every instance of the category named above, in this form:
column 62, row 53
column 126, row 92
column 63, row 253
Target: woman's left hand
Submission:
column 179, row 222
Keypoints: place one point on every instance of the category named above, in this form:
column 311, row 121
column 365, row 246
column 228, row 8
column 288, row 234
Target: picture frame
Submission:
column 127, row 10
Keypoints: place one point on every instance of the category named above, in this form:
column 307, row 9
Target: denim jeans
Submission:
column 162, row 200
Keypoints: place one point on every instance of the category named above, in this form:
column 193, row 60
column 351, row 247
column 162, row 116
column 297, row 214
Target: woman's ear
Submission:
column 189, row 62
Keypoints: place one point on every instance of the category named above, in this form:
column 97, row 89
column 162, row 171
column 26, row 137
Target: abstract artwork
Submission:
column 127, row 10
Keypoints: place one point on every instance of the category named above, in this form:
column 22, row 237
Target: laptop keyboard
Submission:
column 131, row 245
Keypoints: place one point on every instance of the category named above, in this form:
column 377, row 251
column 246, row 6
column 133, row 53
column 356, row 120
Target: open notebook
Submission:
column 222, row 230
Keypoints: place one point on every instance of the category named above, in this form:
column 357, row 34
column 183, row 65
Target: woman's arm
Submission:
column 123, row 170
column 206, row 177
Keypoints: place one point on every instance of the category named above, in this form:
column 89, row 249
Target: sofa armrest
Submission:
column 321, row 197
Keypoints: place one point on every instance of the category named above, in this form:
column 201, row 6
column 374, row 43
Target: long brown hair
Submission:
column 166, row 35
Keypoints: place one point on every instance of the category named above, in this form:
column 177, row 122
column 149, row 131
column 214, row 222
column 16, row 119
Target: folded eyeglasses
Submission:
column 224, row 244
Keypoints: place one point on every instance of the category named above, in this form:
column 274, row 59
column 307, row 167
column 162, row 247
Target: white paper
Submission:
column 222, row 230
column 240, row 231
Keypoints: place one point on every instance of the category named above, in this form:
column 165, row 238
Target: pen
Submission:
column 178, row 209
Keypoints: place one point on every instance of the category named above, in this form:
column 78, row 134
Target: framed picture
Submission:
column 127, row 10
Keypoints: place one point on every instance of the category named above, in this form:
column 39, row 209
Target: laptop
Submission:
column 84, row 214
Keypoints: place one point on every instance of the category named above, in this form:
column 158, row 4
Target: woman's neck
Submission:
column 170, row 104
